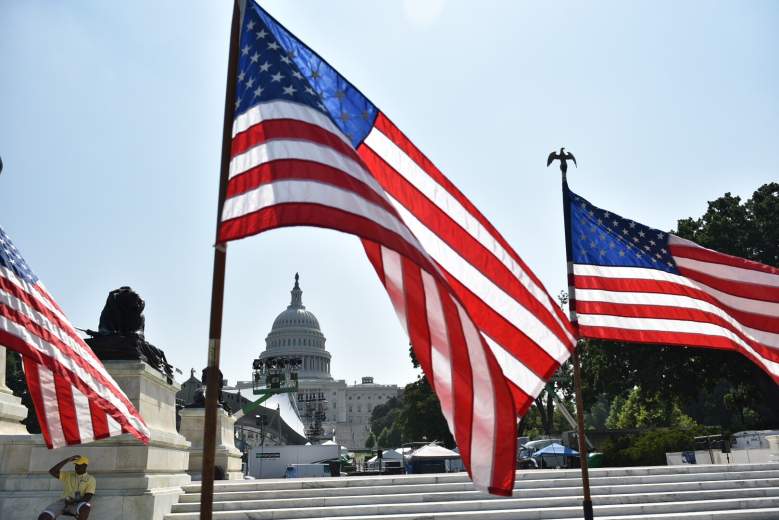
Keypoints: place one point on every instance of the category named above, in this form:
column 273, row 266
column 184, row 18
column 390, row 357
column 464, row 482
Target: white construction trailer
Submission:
column 273, row 461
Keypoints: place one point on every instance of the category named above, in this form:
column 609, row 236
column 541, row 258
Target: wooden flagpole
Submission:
column 217, row 288
column 577, row 381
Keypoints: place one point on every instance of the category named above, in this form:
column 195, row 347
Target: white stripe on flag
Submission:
column 483, row 431
column 393, row 276
column 729, row 272
column 671, row 300
column 308, row 192
column 285, row 110
column 662, row 325
column 516, row 371
column 51, row 406
column 736, row 302
column 114, row 428
column 83, row 416
column 295, row 149
column 440, row 352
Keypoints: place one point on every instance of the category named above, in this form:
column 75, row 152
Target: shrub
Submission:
column 649, row 448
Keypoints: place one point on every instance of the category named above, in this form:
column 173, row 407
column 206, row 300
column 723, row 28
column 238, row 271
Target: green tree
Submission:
column 420, row 416
column 370, row 442
column 383, row 441
column 597, row 414
column 386, row 414
column 650, row 411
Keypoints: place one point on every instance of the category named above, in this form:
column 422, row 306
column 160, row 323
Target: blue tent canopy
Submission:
column 556, row 449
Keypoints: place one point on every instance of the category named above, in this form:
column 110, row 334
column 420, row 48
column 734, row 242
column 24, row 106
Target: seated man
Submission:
column 78, row 489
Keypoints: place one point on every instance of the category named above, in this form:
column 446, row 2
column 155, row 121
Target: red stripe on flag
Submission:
column 99, row 421
column 416, row 313
column 315, row 215
column 522, row 400
column 673, row 313
column 751, row 291
column 755, row 321
column 67, row 410
column 32, row 378
column 373, row 252
column 505, row 453
column 283, row 129
column 288, row 169
column 683, row 339
column 707, row 255
column 462, row 378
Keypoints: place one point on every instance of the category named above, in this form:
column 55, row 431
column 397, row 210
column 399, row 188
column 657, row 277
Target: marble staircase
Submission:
column 690, row 492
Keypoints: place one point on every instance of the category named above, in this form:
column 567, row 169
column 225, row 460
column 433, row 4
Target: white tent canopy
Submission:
column 433, row 451
column 386, row 455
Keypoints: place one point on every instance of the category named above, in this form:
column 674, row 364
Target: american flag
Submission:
column 310, row 149
column 638, row 284
column 75, row 399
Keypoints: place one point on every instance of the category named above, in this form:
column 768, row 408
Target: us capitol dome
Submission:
column 347, row 408
column 296, row 333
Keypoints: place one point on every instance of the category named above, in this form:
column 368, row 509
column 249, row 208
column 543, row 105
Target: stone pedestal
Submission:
column 12, row 412
column 773, row 447
column 228, row 457
column 134, row 481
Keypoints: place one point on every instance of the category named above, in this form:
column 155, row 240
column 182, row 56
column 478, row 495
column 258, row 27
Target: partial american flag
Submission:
column 309, row 149
column 75, row 399
column 638, row 284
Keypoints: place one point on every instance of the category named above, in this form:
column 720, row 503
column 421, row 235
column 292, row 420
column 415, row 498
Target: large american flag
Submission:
column 638, row 284
column 309, row 149
column 75, row 399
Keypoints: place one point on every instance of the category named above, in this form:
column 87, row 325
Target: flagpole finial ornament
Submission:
column 563, row 157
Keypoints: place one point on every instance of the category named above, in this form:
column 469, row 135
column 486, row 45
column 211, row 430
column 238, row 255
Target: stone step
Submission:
column 245, row 502
column 766, row 506
column 257, row 491
column 737, row 514
column 290, row 511
column 394, row 480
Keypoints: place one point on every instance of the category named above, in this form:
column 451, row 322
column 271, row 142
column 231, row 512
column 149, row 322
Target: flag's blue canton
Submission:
column 10, row 258
column 602, row 238
column 273, row 65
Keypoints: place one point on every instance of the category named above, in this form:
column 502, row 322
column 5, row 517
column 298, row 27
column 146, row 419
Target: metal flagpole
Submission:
column 577, row 381
column 217, row 288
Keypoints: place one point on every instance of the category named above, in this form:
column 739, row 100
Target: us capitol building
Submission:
column 345, row 409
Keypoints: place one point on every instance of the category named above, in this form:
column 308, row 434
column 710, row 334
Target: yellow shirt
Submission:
column 73, row 483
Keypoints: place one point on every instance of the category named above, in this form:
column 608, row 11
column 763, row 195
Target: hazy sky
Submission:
column 111, row 120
